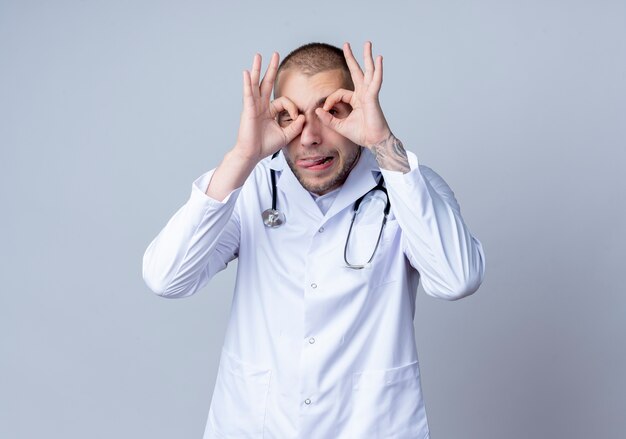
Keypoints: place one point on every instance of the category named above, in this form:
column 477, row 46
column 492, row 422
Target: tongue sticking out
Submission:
column 316, row 164
column 320, row 161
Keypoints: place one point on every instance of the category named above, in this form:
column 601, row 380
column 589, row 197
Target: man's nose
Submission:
column 312, row 131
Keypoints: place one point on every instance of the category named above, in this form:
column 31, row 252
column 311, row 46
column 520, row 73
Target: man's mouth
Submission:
column 316, row 163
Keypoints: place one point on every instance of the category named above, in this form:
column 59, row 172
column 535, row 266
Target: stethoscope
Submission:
column 274, row 218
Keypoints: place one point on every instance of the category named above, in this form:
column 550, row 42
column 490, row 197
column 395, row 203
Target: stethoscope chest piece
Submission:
column 273, row 218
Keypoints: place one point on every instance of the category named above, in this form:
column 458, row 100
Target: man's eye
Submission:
column 339, row 113
column 284, row 120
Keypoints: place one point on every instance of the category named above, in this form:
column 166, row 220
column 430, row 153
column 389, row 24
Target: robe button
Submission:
column 307, row 401
column 311, row 340
column 313, row 285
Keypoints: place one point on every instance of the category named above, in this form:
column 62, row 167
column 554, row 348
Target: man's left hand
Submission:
column 366, row 124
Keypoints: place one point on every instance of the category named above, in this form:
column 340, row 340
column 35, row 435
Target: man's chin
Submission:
column 318, row 186
column 323, row 184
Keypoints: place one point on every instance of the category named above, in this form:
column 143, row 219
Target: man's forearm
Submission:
column 229, row 175
column 391, row 155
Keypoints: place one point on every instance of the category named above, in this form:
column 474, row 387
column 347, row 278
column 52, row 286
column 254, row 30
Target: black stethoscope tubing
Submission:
column 273, row 218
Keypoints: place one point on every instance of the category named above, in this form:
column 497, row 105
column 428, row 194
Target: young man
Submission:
column 334, row 224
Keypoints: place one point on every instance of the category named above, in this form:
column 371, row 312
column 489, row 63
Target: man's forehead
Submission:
column 298, row 85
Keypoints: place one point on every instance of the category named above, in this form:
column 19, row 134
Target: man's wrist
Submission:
column 391, row 155
column 239, row 160
column 230, row 175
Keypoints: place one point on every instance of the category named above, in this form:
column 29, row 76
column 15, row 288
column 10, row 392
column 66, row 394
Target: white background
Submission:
column 110, row 109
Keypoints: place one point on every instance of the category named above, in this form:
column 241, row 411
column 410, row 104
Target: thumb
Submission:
column 294, row 128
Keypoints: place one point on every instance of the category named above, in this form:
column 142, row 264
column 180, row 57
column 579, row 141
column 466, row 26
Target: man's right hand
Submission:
column 259, row 133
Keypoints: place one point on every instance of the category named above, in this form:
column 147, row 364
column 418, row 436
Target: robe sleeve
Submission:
column 435, row 238
column 197, row 242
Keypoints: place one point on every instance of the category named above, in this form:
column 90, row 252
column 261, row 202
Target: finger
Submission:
column 294, row 128
column 353, row 65
column 281, row 104
column 255, row 74
column 248, row 98
column 270, row 74
column 340, row 95
column 377, row 79
column 328, row 119
column 369, row 62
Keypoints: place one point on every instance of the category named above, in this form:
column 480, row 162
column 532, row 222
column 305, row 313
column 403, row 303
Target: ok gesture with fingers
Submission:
column 259, row 133
column 366, row 124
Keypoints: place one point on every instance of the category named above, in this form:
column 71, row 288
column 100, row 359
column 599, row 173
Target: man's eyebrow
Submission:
column 319, row 103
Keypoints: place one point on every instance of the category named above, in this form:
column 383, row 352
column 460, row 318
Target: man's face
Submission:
column 319, row 157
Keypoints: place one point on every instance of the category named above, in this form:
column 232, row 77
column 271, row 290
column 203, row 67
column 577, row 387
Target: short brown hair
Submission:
column 313, row 58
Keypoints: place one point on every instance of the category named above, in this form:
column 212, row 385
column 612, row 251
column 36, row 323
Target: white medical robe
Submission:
column 314, row 349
